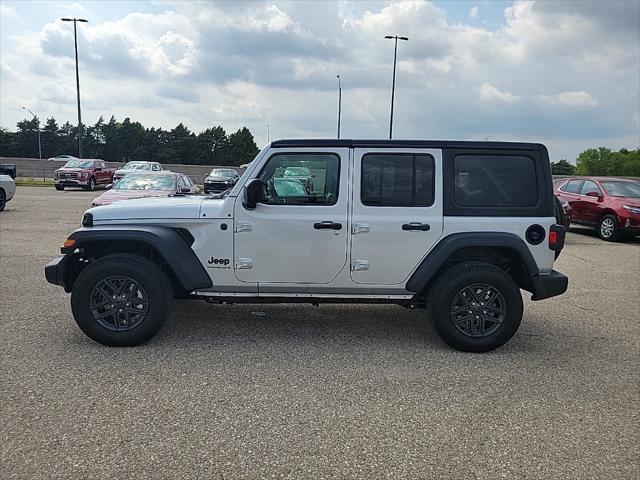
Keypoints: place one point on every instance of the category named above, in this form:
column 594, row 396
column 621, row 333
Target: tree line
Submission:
column 127, row 140
column 601, row 162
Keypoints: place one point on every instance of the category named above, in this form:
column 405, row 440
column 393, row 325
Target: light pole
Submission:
column 39, row 144
column 75, row 42
column 339, row 103
column 393, row 85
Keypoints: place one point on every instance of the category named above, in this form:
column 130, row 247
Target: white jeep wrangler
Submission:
column 458, row 228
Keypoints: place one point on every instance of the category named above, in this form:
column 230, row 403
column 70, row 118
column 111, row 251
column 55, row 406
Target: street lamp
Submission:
column 39, row 144
column 339, row 103
column 393, row 85
column 75, row 41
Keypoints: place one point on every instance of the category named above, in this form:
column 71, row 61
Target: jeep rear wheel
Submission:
column 121, row 300
column 476, row 307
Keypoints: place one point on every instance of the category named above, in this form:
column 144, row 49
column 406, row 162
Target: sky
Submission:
column 563, row 73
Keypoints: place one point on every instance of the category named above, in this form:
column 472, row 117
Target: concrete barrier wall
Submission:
column 36, row 168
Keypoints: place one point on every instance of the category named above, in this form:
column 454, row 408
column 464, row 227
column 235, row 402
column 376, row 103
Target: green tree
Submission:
column 602, row 161
column 562, row 167
column 242, row 147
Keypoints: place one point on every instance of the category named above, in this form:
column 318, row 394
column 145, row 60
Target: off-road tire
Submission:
column 151, row 279
column 451, row 283
column 59, row 187
column 608, row 229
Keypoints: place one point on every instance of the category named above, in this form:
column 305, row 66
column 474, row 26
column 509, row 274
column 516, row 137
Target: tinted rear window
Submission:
column 495, row 181
column 397, row 180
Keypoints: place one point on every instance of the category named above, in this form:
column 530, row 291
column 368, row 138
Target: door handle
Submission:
column 416, row 226
column 327, row 225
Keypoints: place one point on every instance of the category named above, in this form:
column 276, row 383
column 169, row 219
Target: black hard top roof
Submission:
column 352, row 143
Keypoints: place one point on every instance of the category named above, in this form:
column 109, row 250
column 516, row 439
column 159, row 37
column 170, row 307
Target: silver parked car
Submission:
column 130, row 167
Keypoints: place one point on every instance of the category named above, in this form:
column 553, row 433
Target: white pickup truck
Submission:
column 457, row 228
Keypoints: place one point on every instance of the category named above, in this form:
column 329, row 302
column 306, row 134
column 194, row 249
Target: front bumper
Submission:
column 550, row 285
column 70, row 182
column 56, row 271
column 216, row 187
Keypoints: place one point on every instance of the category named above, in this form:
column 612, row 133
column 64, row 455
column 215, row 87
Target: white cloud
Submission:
column 489, row 93
column 570, row 99
column 240, row 63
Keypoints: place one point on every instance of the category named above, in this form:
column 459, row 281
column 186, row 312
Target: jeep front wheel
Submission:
column 121, row 300
column 475, row 307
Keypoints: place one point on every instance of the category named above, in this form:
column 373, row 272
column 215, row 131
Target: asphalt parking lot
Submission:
column 268, row 391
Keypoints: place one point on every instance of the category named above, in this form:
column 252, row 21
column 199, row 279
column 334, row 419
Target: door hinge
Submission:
column 244, row 263
column 359, row 265
column 359, row 228
column 243, row 227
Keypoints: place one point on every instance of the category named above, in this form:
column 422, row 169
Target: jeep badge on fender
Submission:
column 456, row 228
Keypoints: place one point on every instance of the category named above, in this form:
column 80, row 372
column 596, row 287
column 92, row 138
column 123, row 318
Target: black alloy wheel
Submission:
column 119, row 303
column 478, row 310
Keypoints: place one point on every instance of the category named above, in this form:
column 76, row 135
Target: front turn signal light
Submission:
column 69, row 243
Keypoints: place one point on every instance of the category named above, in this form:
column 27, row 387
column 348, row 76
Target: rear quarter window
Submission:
column 495, row 181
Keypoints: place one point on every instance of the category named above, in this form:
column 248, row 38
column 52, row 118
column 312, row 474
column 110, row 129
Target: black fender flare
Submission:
column 170, row 245
column 454, row 242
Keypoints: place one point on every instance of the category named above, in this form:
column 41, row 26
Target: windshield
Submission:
column 79, row 164
column 222, row 172
column 622, row 189
column 137, row 166
column 135, row 181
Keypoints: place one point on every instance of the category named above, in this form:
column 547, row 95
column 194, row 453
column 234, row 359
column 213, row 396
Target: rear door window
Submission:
column 574, row 186
column 495, row 181
column 397, row 180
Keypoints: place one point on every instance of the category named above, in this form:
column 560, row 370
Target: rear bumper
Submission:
column 547, row 286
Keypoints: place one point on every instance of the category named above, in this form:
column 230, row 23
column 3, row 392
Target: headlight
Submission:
column 631, row 208
column 564, row 204
column 83, row 175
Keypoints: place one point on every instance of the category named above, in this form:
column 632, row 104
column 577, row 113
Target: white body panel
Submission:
column 278, row 243
column 386, row 253
column 541, row 253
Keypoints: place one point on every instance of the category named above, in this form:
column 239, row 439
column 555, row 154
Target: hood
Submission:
column 159, row 208
column 219, row 178
column 130, row 170
column 111, row 196
column 633, row 201
column 72, row 169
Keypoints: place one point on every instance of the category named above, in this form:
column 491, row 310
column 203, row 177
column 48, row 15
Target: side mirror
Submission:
column 594, row 194
column 185, row 190
column 253, row 193
column 108, row 186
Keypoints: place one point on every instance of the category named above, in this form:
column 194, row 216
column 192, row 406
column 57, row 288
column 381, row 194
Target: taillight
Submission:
column 556, row 237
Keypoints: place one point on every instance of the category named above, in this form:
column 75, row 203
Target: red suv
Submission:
column 611, row 205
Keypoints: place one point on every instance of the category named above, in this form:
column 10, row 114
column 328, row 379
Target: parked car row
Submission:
column 610, row 205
